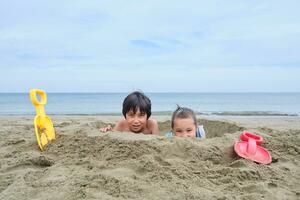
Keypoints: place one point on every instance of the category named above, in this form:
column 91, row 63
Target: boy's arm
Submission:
column 117, row 127
column 106, row 128
column 120, row 125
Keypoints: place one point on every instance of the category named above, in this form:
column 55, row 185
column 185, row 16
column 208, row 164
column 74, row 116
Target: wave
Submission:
column 248, row 113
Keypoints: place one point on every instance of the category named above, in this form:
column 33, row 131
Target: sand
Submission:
column 83, row 163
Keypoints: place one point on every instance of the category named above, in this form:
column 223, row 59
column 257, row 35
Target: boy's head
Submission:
column 184, row 123
column 136, row 110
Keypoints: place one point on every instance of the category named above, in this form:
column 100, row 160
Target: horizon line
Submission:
column 153, row 92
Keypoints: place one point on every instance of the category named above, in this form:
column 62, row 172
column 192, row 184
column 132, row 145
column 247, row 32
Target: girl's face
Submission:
column 184, row 127
column 136, row 121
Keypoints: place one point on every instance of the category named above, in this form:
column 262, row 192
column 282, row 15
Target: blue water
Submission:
column 111, row 103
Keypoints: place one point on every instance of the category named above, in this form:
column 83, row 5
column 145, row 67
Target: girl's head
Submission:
column 136, row 110
column 184, row 123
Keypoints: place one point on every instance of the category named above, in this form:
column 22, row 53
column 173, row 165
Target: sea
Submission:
column 269, row 104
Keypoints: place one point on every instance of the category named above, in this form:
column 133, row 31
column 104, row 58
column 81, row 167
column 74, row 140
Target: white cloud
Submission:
column 122, row 38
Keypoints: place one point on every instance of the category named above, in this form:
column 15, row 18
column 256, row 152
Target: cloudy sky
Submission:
column 152, row 45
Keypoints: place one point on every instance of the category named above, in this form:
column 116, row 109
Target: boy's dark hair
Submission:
column 137, row 100
column 183, row 113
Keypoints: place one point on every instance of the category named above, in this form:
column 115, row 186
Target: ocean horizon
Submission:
column 264, row 104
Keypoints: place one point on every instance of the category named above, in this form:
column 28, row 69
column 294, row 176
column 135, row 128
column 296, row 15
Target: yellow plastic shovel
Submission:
column 44, row 130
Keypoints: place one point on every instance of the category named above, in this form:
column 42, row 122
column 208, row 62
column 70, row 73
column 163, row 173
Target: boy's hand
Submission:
column 105, row 129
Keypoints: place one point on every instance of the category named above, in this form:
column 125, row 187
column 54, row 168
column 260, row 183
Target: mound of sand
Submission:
column 83, row 163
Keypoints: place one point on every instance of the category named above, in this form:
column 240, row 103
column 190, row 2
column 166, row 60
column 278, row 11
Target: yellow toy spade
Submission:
column 44, row 130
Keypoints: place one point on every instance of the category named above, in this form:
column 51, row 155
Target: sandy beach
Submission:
column 83, row 163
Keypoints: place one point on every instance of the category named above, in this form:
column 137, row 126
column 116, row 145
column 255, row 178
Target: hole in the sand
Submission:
column 272, row 185
column 274, row 160
column 211, row 127
column 42, row 161
column 218, row 128
column 14, row 142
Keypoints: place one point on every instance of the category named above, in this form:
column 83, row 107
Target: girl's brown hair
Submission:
column 183, row 113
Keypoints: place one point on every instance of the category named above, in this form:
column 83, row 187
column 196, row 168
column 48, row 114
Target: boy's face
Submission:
column 184, row 127
column 136, row 121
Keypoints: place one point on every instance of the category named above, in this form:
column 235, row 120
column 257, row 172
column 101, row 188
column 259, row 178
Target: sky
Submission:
column 150, row 45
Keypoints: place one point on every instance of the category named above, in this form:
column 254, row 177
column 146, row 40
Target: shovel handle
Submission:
column 246, row 136
column 35, row 100
column 251, row 146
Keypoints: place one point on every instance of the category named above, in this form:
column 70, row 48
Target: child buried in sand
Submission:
column 136, row 111
column 184, row 124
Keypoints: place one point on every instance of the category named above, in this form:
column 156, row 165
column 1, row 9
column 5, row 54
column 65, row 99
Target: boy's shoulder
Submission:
column 152, row 126
column 152, row 122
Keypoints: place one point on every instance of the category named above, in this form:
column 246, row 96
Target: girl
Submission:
column 184, row 124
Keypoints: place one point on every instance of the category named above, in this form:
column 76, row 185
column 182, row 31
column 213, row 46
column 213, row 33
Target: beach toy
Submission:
column 44, row 130
column 249, row 148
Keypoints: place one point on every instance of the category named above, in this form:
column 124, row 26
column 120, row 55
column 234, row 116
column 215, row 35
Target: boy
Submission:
column 136, row 111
